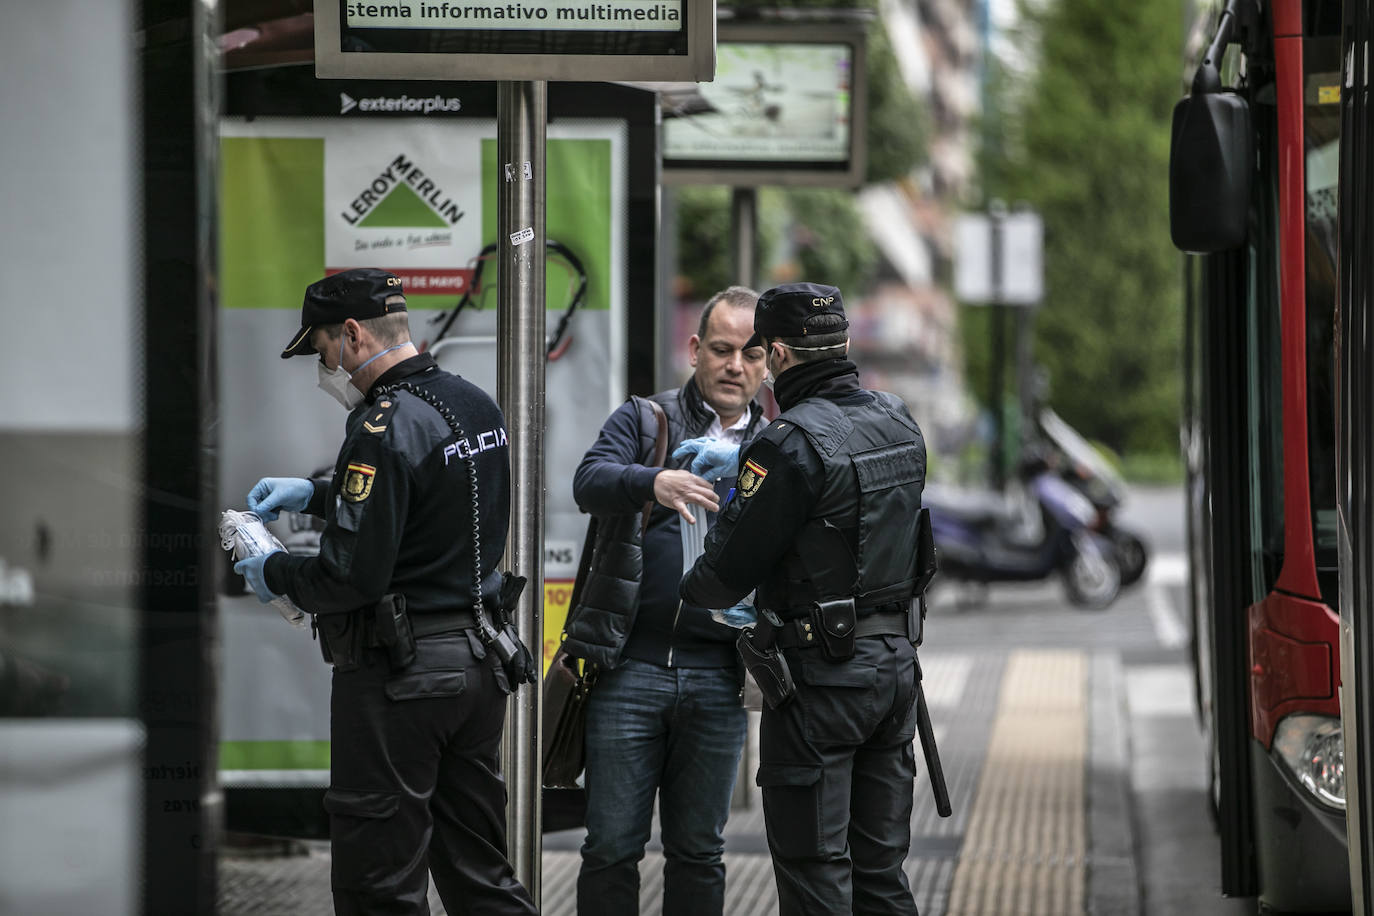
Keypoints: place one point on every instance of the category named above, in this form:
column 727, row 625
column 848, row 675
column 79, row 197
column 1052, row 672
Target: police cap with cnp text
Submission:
column 361, row 293
column 794, row 310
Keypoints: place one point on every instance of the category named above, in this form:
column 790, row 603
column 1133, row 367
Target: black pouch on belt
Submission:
column 505, row 641
column 341, row 639
column 835, row 620
column 393, row 631
column 769, row 669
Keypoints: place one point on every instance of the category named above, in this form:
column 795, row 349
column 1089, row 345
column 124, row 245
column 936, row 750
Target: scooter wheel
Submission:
column 1092, row 580
column 1131, row 555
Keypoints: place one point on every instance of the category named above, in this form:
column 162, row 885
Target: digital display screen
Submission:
column 769, row 104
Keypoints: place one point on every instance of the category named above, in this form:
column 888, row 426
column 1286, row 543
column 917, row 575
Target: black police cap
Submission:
column 361, row 293
column 790, row 310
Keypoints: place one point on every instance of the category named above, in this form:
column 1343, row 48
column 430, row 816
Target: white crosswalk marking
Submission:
column 1168, row 627
column 1168, row 569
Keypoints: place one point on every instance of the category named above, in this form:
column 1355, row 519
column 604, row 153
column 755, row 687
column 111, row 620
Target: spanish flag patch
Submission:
column 751, row 478
column 357, row 485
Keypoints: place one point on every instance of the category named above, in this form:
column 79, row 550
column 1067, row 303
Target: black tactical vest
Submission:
column 860, row 541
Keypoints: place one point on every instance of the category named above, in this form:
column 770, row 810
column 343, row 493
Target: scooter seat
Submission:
column 970, row 506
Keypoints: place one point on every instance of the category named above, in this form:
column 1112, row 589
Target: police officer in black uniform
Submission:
column 408, row 604
column 824, row 525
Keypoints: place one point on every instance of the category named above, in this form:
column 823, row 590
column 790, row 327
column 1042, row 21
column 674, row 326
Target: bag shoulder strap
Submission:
column 660, row 452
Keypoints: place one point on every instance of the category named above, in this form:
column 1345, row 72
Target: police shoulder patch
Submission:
column 751, row 478
column 377, row 419
column 357, row 484
column 777, row 431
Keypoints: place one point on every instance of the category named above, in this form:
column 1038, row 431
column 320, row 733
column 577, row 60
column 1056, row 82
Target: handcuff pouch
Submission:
column 835, row 621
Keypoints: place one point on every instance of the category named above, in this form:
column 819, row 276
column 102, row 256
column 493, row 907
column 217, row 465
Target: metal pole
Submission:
column 1025, row 325
column 996, row 387
column 996, row 384
column 744, row 220
column 521, row 115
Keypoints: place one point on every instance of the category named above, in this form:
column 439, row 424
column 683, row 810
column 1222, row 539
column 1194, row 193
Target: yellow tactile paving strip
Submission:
column 1024, row 852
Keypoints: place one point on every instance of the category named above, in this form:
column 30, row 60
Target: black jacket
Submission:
column 398, row 510
column 629, row 604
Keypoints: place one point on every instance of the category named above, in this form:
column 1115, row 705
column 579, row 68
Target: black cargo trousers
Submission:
column 836, row 765
column 415, row 784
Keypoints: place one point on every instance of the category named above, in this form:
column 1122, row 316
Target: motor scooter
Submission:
column 983, row 537
column 1084, row 468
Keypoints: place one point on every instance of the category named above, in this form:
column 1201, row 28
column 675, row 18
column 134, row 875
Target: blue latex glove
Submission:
column 251, row 570
column 741, row 615
column 714, row 458
column 273, row 493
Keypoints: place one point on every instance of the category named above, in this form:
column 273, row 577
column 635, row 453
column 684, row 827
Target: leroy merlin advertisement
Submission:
column 306, row 197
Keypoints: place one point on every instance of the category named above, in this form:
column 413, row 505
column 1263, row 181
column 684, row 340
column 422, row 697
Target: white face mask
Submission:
column 768, row 378
column 338, row 382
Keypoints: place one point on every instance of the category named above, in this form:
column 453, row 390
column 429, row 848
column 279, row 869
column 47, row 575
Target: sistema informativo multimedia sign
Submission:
column 619, row 40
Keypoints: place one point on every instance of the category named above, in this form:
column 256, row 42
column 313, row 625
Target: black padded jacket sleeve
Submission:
column 612, row 480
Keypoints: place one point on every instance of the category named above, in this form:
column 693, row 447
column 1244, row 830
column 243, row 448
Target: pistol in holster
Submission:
column 342, row 641
column 344, row 638
column 766, row 664
column 391, row 626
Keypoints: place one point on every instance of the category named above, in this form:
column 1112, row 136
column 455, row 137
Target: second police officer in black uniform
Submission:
column 824, row 525
column 409, row 602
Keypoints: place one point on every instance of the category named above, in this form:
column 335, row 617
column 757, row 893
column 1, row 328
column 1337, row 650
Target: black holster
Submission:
column 835, row 621
column 504, row 639
column 767, row 665
column 393, row 632
column 342, row 641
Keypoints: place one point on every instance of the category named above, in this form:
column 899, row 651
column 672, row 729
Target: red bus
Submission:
column 1253, row 183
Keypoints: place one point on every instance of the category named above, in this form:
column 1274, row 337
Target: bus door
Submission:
column 1262, row 356
column 1355, row 436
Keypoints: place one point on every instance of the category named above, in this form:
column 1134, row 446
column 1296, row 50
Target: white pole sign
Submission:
column 999, row 260
column 973, row 258
column 1022, row 254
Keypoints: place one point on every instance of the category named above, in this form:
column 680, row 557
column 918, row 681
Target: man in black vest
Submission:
column 824, row 525
column 665, row 716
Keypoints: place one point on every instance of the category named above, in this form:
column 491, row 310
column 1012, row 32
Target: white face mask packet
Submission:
column 693, row 537
column 244, row 535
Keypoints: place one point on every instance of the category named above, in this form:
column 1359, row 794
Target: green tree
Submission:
column 1086, row 143
column 829, row 239
column 821, row 231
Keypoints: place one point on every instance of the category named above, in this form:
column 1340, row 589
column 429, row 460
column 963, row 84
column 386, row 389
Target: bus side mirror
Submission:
column 1211, row 160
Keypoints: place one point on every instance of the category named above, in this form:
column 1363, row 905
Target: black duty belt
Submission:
column 801, row 632
column 433, row 624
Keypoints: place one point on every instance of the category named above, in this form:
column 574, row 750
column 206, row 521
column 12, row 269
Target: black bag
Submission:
column 569, row 681
column 566, row 688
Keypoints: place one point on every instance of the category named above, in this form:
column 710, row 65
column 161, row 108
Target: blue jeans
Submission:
column 678, row 732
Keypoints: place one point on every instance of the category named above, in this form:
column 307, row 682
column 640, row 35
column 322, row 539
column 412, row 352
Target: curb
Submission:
column 1113, row 881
